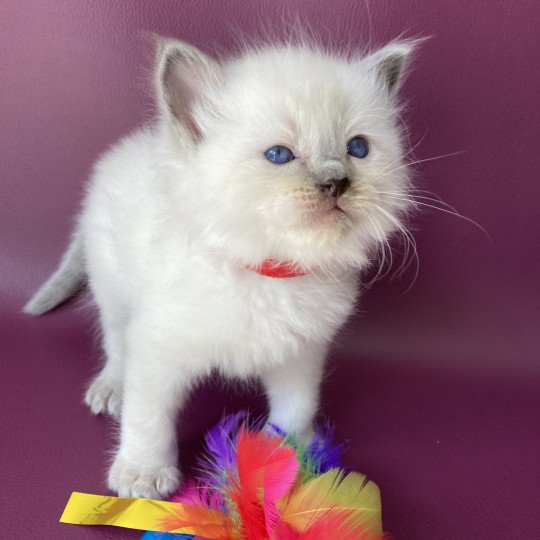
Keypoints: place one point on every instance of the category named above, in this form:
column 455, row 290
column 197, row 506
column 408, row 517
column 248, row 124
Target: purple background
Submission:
column 437, row 389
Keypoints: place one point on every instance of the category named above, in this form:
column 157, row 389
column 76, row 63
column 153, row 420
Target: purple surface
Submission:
column 436, row 389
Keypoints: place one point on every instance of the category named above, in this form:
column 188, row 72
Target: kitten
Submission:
column 228, row 236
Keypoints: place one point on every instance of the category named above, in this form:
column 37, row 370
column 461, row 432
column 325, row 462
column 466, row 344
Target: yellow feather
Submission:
column 334, row 490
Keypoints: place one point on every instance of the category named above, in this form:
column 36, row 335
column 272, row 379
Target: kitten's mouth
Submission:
column 337, row 208
column 326, row 214
column 332, row 215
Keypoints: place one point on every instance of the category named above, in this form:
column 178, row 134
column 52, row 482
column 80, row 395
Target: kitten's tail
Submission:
column 68, row 279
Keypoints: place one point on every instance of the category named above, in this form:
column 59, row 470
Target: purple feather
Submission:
column 221, row 440
column 220, row 457
column 322, row 451
column 277, row 430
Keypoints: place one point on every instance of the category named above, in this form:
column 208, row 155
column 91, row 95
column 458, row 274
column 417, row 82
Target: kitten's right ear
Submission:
column 390, row 62
column 186, row 78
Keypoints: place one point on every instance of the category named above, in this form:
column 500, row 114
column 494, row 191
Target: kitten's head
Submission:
column 292, row 153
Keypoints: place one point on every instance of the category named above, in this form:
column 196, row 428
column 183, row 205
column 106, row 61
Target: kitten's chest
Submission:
column 272, row 319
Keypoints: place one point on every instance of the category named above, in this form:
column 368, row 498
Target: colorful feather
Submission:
column 330, row 492
column 200, row 495
column 266, row 470
column 221, row 447
column 331, row 524
column 196, row 514
column 319, row 456
column 337, row 524
column 322, row 453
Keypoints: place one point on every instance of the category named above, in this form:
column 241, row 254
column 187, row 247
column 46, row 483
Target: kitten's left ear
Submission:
column 390, row 63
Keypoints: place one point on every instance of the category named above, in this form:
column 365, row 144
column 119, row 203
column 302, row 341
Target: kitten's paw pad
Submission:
column 156, row 483
column 104, row 396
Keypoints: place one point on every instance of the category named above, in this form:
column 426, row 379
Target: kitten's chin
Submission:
column 327, row 240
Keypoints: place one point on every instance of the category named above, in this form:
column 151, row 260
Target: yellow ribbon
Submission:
column 332, row 489
column 142, row 514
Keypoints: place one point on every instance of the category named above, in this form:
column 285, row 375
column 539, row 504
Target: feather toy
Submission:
column 274, row 487
column 257, row 483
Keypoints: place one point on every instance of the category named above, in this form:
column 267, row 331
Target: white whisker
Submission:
column 410, row 241
column 385, row 172
column 449, row 210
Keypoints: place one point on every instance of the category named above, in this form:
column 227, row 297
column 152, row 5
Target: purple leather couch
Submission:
column 436, row 389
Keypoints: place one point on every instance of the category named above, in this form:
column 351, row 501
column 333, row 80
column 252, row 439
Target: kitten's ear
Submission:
column 186, row 78
column 390, row 63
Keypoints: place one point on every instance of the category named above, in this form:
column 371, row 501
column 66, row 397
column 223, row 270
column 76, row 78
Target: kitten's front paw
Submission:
column 104, row 396
column 130, row 480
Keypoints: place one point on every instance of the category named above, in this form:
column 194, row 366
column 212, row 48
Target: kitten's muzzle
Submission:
column 334, row 187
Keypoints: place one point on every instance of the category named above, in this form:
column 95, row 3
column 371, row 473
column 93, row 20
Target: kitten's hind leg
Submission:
column 104, row 394
column 293, row 391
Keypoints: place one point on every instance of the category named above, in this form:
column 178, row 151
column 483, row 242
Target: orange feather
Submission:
column 201, row 521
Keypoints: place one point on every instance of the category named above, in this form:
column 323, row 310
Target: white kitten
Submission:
column 289, row 154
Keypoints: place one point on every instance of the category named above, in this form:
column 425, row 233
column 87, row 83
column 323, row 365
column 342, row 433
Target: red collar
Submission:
column 276, row 269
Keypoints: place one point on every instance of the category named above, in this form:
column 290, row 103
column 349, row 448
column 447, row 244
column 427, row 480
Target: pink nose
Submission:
column 335, row 186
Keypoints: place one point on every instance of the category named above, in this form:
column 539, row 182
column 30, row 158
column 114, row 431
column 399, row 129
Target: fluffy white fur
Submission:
column 174, row 213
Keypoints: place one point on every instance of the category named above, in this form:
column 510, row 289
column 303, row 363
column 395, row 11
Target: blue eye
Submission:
column 358, row 147
column 279, row 155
